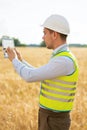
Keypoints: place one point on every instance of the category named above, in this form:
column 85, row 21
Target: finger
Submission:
column 8, row 49
column 16, row 51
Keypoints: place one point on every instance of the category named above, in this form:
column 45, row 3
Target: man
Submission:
column 58, row 77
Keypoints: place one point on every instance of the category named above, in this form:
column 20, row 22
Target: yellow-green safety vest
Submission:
column 58, row 94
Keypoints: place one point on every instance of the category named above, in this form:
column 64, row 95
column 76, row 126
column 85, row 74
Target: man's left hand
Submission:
column 11, row 53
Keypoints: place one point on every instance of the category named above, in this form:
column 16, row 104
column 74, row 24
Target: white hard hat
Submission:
column 57, row 23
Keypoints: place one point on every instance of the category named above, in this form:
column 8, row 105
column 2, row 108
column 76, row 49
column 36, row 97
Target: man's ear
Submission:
column 55, row 35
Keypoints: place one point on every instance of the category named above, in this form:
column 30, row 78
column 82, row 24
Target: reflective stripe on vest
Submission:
column 58, row 94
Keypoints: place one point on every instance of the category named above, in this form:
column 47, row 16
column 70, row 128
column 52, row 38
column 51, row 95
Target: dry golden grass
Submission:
column 19, row 99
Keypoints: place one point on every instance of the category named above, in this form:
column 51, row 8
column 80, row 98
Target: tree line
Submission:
column 17, row 42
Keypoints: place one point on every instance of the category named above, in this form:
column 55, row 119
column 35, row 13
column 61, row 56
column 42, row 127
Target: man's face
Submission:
column 48, row 38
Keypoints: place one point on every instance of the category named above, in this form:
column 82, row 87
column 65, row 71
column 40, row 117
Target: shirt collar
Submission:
column 63, row 47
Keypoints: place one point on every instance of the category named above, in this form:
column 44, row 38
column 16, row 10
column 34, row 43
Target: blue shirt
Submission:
column 57, row 66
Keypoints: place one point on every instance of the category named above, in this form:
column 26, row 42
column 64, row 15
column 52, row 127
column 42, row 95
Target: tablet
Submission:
column 7, row 42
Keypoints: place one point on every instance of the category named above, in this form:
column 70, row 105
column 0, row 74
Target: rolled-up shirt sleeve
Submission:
column 56, row 67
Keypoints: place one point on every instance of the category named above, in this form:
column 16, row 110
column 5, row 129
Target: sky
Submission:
column 22, row 19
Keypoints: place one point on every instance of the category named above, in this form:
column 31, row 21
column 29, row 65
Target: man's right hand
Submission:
column 18, row 54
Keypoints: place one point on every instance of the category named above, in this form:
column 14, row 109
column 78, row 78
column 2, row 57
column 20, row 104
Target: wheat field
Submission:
column 19, row 100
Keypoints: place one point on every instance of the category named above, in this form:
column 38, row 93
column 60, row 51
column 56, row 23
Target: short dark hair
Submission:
column 63, row 36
